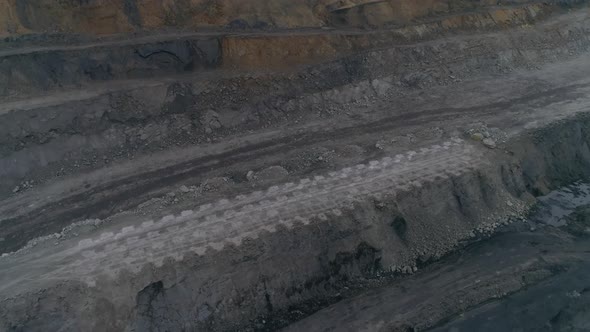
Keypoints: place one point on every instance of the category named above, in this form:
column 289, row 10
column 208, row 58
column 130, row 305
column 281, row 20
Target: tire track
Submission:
column 229, row 222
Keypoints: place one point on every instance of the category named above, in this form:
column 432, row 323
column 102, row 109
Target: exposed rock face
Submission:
column 116, row 16
column 66, row 60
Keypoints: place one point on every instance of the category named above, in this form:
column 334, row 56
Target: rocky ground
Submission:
column 529, row 276
column 377, row 179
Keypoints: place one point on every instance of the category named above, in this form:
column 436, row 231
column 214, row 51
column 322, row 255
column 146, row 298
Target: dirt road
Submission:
column 231, row 221
column 121, row 187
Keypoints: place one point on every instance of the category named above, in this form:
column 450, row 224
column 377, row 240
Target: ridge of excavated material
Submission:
column 230, row 221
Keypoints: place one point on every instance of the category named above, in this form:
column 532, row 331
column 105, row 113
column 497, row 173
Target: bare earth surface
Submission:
column 534, row 274
column 231, row 221
column 207, row 228
column 326, row 197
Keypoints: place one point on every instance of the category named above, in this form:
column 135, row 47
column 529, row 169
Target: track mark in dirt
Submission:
column 131, row 190
column 230, row 221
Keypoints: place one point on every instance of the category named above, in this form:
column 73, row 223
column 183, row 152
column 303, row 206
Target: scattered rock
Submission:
column 184, row 189
column 16, row 189
column 408, row 270
column 271, row 174
column 215, row 124
column 477, row 137
column 416, row 80
column 351, row 151
column 250, row 176
column 489, row 143
column 480, row 131
column 215, row 184
column 210, row 121
column 573, row 294
column 149, row 203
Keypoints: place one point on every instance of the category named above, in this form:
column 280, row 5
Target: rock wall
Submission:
column 26, row 72
column 117, row 16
